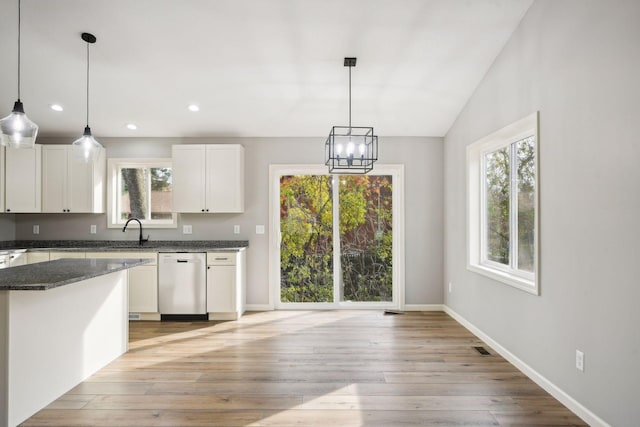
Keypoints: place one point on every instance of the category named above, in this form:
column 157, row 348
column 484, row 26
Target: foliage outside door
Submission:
column 323, row 260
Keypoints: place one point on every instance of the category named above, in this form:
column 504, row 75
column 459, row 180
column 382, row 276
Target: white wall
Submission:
column 578, row 63
column 423, row 160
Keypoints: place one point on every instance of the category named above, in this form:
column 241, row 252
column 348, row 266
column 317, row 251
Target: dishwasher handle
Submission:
column 183, row 260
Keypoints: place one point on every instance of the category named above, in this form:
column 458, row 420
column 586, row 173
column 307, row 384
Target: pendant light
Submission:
column 16, row 130
column 351, row 149
column 86, row 148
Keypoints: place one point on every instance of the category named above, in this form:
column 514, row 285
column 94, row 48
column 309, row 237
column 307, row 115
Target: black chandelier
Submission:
column 351, row 149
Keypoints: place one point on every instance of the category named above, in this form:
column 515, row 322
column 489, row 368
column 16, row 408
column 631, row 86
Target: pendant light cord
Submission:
column 87, row 84
column 19, row 18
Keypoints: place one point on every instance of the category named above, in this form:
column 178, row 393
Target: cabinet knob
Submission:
column 207, row 210
column 8, row 210
column 202, row 210
column 208, row 268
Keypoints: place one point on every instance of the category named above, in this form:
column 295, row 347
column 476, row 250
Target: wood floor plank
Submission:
column 306, row 368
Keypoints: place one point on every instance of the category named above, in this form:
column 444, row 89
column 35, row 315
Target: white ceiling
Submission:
column 255, row 67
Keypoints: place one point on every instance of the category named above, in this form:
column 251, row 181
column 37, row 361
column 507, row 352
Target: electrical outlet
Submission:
column 236, row 229
column 36, row 229
column 259, row 229
column 92, row 230
column 450, row 287
column 187, row 229
column 579, row 360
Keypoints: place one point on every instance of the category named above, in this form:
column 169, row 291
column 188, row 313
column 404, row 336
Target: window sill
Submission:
column 521, row 283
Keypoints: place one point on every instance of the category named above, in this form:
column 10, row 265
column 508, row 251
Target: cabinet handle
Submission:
column 8, row 210
column 221, row 259
column 208, row 268
column 202, row 210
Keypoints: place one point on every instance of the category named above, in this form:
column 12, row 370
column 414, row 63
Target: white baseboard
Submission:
column 575, row 406
column 423, row 307
column 258, row 307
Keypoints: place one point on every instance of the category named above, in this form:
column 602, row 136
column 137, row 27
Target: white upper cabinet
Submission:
column 23, row 182
column 69, row 185
column 208, row 178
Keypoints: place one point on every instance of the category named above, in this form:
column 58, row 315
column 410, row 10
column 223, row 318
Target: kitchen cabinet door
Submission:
column 23, row 183
column 54, row 172
column 221, row 288
column 188, row 163
column 65, row 254
column 143, row 289
column 70, row 185
column 35, row 257
column 17, row 258
column 225, row 178
column 226, row 285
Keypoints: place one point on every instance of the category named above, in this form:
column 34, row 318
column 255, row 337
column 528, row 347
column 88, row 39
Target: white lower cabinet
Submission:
column 64, row 254
column 143, row 282
column 143, row 289
column 225, row 285
column 35, row 257
column 226, row 281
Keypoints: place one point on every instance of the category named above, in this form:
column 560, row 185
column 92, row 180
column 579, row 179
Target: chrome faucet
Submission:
column 141, row 240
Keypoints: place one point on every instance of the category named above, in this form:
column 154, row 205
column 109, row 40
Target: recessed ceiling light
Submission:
column 131, row 126
column 56, row 107
column 193, row 107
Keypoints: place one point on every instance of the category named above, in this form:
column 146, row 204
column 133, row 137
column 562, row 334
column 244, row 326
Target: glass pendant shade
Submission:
column 17, row 131
column 86, row 148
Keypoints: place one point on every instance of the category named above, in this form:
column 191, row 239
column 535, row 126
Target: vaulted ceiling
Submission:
column 254, row 67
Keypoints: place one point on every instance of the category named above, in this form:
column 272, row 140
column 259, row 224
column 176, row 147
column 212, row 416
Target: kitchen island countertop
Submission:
column 52, row 274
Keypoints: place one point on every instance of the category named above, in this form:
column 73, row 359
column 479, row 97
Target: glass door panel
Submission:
column 366, row 237
column 306, row 248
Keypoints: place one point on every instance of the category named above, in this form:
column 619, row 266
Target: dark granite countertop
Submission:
column 52, row 274
column 127, row 245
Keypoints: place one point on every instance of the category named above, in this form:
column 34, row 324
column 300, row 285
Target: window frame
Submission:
column 114, row 165
column 477, row 259
column 398, row 221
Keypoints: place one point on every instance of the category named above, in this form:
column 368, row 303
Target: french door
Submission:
column 337, row 238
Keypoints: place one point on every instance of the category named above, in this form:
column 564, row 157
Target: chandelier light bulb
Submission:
column 350, row 148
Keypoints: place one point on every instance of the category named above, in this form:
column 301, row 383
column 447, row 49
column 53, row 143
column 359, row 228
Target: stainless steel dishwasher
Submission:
column 182, row 285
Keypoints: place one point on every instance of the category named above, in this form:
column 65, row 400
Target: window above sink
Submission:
column 140, row 188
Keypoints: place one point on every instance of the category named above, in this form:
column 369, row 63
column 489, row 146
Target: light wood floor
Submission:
column 306, row 368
